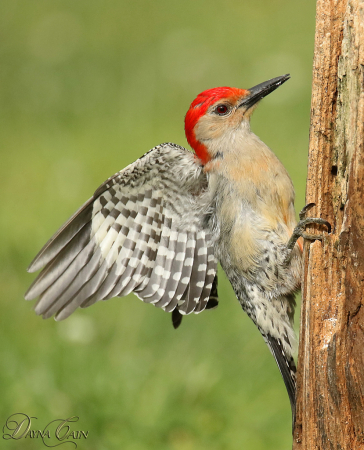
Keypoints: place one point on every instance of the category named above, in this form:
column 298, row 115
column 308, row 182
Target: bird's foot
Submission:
column 299, row 231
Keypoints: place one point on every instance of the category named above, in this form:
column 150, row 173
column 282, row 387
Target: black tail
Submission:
column 287, row 368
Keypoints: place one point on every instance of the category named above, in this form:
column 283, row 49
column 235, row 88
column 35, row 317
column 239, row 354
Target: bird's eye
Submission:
column 221, row 110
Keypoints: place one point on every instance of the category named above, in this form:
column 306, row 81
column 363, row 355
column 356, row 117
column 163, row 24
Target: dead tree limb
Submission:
column 330, row 395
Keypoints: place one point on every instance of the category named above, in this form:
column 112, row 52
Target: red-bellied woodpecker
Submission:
column 158, row 228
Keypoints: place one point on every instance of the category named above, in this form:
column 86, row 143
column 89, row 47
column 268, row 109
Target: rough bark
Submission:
column 330, row 395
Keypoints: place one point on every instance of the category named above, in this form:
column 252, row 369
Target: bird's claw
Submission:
column 299, row 230
column 304, row 210
column 304, row 221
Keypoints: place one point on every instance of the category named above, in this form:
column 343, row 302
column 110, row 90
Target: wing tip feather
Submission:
column 48, row 252
column 35, row 265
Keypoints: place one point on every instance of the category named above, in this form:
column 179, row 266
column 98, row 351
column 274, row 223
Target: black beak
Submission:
column 259, row 91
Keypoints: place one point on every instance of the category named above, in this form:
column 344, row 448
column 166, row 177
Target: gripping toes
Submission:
column 299, row 231
column 305, row 209
column 300, row 228
column 309, row 220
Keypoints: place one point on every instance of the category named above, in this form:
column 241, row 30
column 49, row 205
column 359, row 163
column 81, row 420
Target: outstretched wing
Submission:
column 143, row 231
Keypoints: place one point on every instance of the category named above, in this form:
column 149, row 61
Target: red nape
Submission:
column 198, row 108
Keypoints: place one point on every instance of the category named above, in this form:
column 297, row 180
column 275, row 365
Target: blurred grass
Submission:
column 86, row 87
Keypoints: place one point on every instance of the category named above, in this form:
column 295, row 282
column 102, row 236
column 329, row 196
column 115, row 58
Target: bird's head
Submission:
column 220, row 111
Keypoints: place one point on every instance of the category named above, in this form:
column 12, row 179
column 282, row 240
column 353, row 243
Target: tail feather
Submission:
column 287, row 368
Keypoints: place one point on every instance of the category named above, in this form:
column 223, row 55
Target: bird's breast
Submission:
column 253, row 205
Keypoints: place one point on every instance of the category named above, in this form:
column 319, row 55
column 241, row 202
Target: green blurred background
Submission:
column 86, row 87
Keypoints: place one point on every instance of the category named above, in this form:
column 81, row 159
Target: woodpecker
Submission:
column 159, row 227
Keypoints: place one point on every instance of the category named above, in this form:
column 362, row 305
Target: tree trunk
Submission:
column 330, row 395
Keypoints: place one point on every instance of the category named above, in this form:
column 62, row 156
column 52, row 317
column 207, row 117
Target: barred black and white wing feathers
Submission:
column 143, row 231
column 211, row 303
